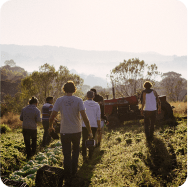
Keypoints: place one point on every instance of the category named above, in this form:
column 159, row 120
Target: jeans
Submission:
column 84, row 138
column 149, row 122
column 70, row 161
column 30, row 134
column 46, row 136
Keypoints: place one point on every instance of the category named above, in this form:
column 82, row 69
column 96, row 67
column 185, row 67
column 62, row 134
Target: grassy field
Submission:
column 123, row 159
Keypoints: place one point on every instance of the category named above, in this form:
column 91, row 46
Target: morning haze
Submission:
column 92, row 66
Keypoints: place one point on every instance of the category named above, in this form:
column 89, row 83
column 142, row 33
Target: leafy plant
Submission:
column 5, row 128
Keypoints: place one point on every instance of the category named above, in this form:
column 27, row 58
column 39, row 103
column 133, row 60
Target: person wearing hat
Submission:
column 94, row 115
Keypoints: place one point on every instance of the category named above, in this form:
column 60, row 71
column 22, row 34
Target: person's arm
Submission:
column 143, row 102
column 21, row 116
column 51, row 120
column 158, row 101
column 86, row 121
column 99, row 118
column 38, row 116
column 50, row 109
column 99, row 124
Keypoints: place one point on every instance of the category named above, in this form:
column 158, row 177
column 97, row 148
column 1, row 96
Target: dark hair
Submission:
column 147, row 85
column 48, row 99
column 69, row 87
column 33, row 100
column 93, row 90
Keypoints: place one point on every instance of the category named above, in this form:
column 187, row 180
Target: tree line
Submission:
column 127, row 78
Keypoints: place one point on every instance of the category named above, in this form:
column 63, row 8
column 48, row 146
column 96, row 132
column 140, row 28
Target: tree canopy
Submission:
column 48, row 82
column 129, row 76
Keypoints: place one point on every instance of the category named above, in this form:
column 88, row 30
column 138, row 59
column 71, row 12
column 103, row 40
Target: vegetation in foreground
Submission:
column 124, row 158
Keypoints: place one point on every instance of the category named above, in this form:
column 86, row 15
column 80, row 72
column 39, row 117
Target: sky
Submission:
column 103, row 25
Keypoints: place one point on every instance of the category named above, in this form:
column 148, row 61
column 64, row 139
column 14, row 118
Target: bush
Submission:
column 12, row 120
column 4, row 128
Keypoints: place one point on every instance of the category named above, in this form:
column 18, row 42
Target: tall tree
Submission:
column 173, row 85
column 47, row 74
column 129, row 75
column 48, row 82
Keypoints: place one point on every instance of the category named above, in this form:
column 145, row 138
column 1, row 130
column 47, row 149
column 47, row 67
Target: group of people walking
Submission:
column 78, row 119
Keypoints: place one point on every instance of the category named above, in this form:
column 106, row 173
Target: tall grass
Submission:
column 180, row 108
column 12, row 120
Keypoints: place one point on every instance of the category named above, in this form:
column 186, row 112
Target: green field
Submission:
column 124, row 158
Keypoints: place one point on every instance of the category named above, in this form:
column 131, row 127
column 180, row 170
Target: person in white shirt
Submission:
column 70, row 108
column 150, row 101
column 94, row 115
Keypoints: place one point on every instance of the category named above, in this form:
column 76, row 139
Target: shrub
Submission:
column 5, row 128
column 12, row 120
column 180, row 108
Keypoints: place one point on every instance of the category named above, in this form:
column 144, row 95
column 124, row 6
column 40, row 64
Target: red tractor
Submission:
column 126, row 109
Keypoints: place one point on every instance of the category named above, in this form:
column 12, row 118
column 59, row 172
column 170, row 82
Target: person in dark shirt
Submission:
column 30, row 115
column 46, row 112
column 99, row 99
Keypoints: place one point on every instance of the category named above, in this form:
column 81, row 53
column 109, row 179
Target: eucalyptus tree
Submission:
column 48, row 82
column 128, row 76
column 173, row 85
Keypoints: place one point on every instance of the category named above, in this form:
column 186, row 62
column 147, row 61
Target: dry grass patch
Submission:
column 180, row 108
column 12, row 120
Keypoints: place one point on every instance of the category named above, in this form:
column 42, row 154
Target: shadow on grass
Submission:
column 135, row 126
column 161, row 159
column 85, row 173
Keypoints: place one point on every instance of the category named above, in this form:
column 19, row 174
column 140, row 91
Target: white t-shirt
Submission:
column 69, row 107
column 93, row 112
column 151, row 103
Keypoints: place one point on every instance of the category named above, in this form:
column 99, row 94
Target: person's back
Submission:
column 46, row 111
column 98, row 98
column 149, row 106
column 92, row 111
column 30, row 115
column 150, row 100
column 94, row 116
column 69, row 107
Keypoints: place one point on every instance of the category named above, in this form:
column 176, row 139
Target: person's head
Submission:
column 90, row 95
column 69, row 87
column 49, row 100
column 147, row 85
column 33, row 100
column 94, row 90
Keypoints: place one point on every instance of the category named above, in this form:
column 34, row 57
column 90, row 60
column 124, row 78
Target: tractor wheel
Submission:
column 166, row 111
column 113, row 121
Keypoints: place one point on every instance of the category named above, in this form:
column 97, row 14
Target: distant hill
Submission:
column 92, row 65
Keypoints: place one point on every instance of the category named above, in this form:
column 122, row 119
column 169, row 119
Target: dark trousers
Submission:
column 149, row 122
column 46, row 135
column 70, row 161
column 84, row 138
column 30, row 134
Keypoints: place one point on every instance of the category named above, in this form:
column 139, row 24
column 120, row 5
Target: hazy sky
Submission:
column 123, row 25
